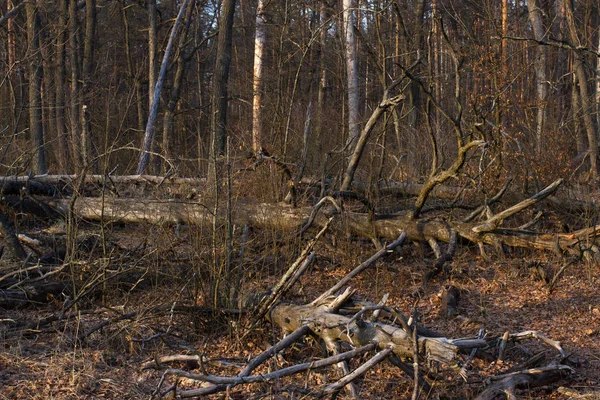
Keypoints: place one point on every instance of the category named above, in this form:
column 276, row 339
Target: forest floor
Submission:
column 151, row 269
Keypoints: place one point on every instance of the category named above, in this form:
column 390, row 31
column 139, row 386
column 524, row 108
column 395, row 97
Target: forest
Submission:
column 299, row 199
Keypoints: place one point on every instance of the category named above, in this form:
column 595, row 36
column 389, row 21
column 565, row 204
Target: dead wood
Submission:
column 8, row 232
column 526, row 379
column 98, row 179
column 387, row 226
column 30, row 294
column 335, row 320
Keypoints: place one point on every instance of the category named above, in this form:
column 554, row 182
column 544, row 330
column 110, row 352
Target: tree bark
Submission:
column 260, row 40
column 87, row 68
column 182, row 61
column 386, row 226
column 151, row 51
column 8, row 232
column 583, row 93
column 59, row 76
column 35, row 89
column 149, row 134
column 75, row 101
column 351, row 73
column 221, row 78
column 541, row 80
column 133, row 73
column 361, row 141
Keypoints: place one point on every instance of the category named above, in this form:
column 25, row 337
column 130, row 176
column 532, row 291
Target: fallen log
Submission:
column 388, row 226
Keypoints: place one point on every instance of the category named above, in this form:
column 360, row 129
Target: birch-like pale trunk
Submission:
column 260, row 39
column 351, row 72
column 541, row 79
column 149, row 134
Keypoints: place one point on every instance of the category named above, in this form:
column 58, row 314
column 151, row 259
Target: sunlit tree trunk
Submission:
column 351, row 72
column 583, row 93
column 260, row 39
column 35, row 88
column 504, row 59
column 541, row 79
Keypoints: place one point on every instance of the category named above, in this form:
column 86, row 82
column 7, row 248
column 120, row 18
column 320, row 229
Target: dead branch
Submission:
column 508, row 383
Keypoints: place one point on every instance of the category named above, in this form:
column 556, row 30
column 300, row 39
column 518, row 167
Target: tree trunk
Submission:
column 75, row 101
column 583, row 93
column 351, row 73
column 59, row 76
column 260, row 39
column 535, row 16
column 322, row 75
column 219, row 93
column 151, row 50
column 182, row 61
column 87, row 68
column 386, row 226
column 35, row 90
column 133, row 73
column 149, row 134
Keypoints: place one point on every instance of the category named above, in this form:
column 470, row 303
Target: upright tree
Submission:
column 183, row 58
column 541, row 79
column 75, row 93
column 35, row 88
column 59, row 86
column 584, row 97
column 221, row 78
column 149, row 133
column 260, row 39
column 351, row 71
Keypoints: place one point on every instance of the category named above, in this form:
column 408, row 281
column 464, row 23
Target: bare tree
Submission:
column 541, row 80
column 182, row 60
column 133, row 72
column 75, row 101
column 220, row 79
column 59, row 82
column 35, row 89
column 351, row 71
column 260, row 39
column 583, row 92
column 149, row 134
column 87, row 67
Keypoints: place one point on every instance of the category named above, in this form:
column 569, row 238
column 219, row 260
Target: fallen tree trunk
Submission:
column 284, row 217
column 50, row 185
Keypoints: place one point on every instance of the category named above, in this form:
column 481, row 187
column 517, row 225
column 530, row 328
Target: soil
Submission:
column 149, row 270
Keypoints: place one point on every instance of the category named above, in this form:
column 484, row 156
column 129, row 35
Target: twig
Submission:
column 376, row 359
column 221, row 383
